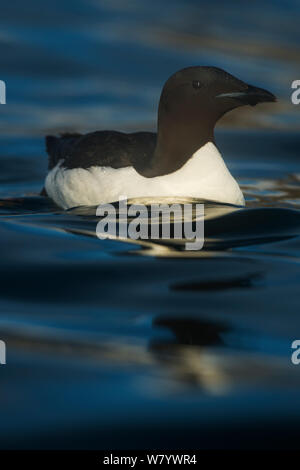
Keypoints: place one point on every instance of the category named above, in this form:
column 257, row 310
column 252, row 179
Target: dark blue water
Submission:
column 144, row 345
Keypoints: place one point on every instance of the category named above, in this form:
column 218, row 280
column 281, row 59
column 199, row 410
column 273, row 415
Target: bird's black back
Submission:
column 101, row 148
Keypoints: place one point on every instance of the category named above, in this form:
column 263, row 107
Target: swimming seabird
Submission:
column 180, row 160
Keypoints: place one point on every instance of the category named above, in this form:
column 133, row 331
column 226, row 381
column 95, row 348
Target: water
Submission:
column 116, row 344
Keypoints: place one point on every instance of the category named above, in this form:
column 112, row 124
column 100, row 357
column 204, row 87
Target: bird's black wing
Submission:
column 102, row 148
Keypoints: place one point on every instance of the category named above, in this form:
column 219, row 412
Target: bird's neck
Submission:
column 177, row 141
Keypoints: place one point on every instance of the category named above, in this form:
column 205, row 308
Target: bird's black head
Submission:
column 210, row 89
column 207, row 93
column 192, row 101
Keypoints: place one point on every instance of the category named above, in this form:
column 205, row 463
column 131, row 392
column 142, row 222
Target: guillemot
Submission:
column 180, row 160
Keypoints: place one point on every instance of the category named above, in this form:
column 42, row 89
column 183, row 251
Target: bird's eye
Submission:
column 196, row 84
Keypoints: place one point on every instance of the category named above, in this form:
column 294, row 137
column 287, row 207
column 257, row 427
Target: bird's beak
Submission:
column 251, row 95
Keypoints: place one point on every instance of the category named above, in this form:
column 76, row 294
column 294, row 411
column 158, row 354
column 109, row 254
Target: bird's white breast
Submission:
column 203, row 176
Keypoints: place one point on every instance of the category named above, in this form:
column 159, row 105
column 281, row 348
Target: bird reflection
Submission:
column 189, row 331
column 202, row 354
column 184, row 352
